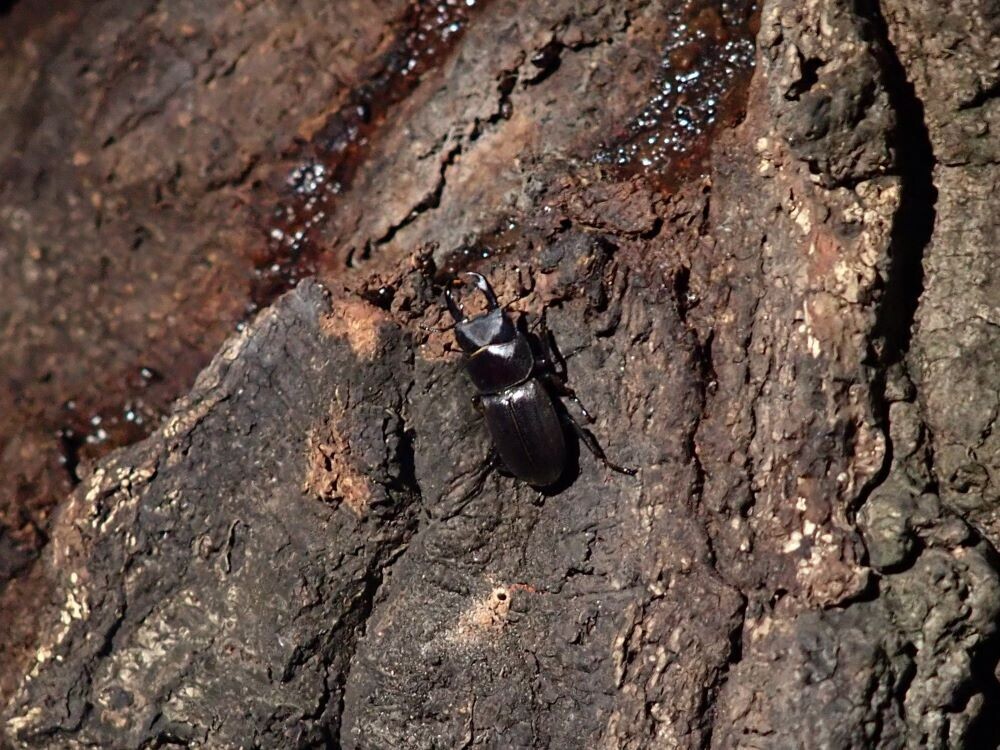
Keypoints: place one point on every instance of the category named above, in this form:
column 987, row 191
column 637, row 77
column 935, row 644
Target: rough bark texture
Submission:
column 799, row 351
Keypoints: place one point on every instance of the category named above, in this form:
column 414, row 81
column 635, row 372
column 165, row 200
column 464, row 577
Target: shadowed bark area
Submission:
column 798, row 350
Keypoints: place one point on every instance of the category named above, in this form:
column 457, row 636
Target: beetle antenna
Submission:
column 435, row 329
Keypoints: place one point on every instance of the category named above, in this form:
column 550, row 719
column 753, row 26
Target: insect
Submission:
column 514, row 395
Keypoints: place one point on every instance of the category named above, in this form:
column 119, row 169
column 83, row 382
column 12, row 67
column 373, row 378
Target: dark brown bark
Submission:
column 798, row 349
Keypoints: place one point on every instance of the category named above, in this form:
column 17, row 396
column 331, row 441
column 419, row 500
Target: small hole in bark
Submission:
column 547, row 60
column 779, row 594
column 809, row 78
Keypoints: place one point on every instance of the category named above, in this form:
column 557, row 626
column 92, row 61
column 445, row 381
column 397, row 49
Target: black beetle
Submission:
column 522, row 419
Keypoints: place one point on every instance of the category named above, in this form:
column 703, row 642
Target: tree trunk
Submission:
column 778, row 297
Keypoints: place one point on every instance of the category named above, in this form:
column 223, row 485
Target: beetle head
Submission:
column 490, row 327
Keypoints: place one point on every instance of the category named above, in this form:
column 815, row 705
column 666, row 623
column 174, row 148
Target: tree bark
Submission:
column 798, row 350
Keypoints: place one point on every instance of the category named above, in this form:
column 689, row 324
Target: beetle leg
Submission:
column 588, row 439
column 550, row 351
column 551, row 367
column 556, row 382
column 550, row 359
column 495, row 463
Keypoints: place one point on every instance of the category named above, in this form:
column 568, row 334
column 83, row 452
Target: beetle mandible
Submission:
column 520, row 415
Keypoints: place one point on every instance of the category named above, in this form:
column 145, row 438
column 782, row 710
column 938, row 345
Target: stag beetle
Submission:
column 518, row 409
